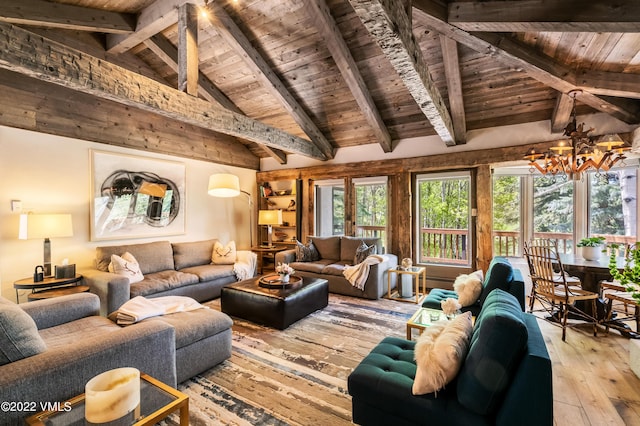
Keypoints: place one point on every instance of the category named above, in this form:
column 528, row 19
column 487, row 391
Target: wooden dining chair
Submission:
column 552, row 244
column 552, row 288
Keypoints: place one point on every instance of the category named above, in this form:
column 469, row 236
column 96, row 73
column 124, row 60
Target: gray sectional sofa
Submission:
column 169, row 269
column 49, row 349
column 335, row 253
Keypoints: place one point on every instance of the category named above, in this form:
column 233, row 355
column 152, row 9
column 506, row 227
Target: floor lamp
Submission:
column 225, row 185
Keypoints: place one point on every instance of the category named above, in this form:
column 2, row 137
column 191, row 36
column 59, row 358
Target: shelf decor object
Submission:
column 45, row 226
column 270, row 218
column 226, row 185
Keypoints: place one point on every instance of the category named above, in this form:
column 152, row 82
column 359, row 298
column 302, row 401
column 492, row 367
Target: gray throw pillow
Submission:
column 363, row 252
column 306, row 253
column 19, row 336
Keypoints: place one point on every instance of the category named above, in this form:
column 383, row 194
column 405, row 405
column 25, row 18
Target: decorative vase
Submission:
column 591, row 253
column 284, row 278
column 406, row 263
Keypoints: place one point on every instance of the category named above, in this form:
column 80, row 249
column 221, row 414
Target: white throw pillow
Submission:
column 224, row 255
column 126, row 265
column 468, row 288
column 440, row 352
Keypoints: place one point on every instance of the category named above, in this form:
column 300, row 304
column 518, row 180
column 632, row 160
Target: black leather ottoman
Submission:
column 275, row 308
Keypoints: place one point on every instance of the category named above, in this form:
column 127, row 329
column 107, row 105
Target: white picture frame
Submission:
column 136, row 197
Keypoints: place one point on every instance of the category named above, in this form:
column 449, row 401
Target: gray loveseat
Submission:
column 335, row 253
column 169, row 269
column 56, row 345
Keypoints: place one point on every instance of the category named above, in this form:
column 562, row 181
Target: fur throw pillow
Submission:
column 468, row 288
column 440, row 352
column 224, row 255
column 126, row 265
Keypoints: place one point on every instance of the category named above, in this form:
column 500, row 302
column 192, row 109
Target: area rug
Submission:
column 297, row 376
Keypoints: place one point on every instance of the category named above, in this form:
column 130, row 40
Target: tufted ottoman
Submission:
column 274, row 307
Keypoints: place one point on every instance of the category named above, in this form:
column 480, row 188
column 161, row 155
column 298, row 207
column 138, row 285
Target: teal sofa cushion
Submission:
column 499, row 275
column 497, row 346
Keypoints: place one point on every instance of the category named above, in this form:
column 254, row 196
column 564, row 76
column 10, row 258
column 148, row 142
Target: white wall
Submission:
column 50, row 174
column 495, row 137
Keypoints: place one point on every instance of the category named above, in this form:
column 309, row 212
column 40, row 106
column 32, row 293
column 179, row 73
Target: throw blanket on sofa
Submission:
column 140, row 308
column 357, row 275
column 245, row 266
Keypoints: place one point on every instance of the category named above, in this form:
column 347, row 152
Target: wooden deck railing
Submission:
column 440, row 245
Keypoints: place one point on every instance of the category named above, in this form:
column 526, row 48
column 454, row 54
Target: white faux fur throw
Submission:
column 357, row 275
column 139, row 308
column 245, row 266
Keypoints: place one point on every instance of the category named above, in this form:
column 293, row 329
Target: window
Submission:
column 613, row 205
column 553, row 210
column 443, row 219
column 329, row 208
column 371, row 208
column 599, row 204
column 507, row 223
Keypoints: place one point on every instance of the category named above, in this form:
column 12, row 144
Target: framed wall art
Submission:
column 136, row 197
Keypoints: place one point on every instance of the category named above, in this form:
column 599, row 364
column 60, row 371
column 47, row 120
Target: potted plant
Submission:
column 629, row 277
column 591, row 247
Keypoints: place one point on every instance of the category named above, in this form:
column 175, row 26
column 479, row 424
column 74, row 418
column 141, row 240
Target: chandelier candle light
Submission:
column 580, row 153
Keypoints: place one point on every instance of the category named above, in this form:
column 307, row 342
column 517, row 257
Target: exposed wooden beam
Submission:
column 188, row 49
column 561, row 112
column 154, row 18
column 168, row 53
column 388, row 23
column 46, row 14
column 349, row 70
column 48, row 108
column 454, row 85
column 27, row 53
column 609, row 83
column 236, row 39
column 556, row 75
column 546, row 15
column 513, row 54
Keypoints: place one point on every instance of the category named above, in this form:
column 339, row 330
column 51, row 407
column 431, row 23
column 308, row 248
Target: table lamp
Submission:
column 45, row 226
column 270, row 218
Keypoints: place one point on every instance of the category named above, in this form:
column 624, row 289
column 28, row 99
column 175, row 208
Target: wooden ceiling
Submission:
column 257, row 78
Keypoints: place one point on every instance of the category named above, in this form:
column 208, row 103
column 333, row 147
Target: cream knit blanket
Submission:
column 357, row 274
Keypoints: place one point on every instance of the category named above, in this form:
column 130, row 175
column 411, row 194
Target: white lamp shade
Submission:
column 270, row 217
column 45, row 226
column 224, row 185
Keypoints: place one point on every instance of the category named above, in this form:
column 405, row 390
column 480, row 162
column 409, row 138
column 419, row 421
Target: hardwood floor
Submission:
column 592, row 382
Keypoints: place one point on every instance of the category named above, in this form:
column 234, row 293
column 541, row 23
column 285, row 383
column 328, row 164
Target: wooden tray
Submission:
column 273, row 281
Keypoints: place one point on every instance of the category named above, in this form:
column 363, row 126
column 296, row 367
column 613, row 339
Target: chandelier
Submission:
column 569, row 158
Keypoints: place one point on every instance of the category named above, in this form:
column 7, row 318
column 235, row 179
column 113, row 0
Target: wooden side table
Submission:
column 261, row 251
column 415, row 272
column 50, row 287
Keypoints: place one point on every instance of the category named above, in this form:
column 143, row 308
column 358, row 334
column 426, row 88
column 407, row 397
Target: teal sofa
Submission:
column 500, row 274
column 505, row 379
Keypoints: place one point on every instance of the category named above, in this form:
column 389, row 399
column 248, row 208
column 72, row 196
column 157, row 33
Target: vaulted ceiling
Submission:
column 232, row 81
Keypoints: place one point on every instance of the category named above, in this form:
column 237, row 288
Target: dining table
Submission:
column 591, row 273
